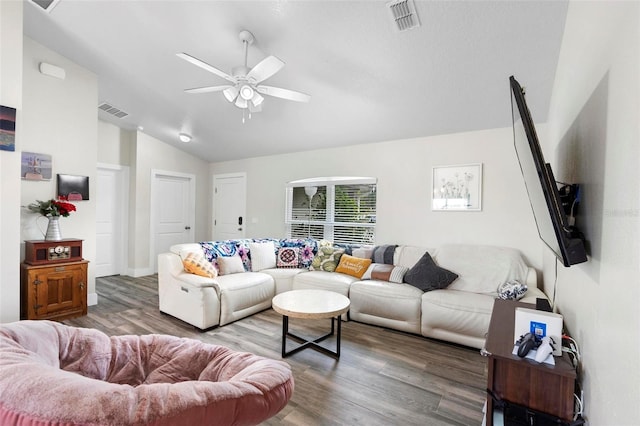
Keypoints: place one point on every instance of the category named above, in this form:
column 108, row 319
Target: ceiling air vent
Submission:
column 110, row 109
column 46, row 5
column 404, row 14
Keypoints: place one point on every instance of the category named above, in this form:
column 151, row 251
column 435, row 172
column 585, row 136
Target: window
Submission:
column 338, row 209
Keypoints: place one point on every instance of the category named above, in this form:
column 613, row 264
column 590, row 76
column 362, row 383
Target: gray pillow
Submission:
column 427, row 276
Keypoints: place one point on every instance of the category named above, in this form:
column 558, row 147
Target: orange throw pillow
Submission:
column 354, row 266
column 197, row 264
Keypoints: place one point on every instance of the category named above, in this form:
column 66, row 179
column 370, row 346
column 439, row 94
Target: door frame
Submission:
column 123, row 214
column 242, row 175
column 155, row 173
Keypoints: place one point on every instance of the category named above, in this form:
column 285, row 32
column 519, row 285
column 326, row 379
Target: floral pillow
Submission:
column 327, row 259
column 512, row 290
column 307, row 249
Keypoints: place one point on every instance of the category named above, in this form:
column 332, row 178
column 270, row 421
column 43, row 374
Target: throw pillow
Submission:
column 512, row 290
column 287, row 257
column 382, row 272
column 354, row 266
column 327, row 259
column 427, row 276
column 230, row 265
column 263, row 255
column 195, row 263
column 383, row 254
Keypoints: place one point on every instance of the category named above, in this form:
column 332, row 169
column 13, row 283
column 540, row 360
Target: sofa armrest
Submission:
column 532, row 278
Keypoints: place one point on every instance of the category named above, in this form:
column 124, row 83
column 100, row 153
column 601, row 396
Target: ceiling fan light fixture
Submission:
column 241, row 102
column 230, row 93
column 246, row 92
column 257, row 99
column 184, row 137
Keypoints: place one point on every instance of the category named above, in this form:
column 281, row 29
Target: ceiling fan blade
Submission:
column 207, row 89
column 279, row 92
column 265, row 69
column 197, row 62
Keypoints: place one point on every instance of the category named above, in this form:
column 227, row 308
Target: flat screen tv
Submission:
column 542, row 189
column 72, row 187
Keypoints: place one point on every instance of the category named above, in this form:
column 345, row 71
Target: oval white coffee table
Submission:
column 310, row 304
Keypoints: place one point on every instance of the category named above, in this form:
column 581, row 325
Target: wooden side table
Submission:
column 540, row 387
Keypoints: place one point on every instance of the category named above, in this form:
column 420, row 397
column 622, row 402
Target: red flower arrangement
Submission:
column 52, row 207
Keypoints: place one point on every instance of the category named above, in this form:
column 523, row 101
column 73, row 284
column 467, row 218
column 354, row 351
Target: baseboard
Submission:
column 139, row 272
column 92, row 299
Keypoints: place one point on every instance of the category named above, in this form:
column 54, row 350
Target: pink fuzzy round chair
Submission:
column 56, row 375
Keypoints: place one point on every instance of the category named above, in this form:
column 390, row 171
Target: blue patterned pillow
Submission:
column 213, row 249
column 512, row 290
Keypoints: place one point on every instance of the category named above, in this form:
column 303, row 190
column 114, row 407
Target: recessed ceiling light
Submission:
column 184, row 137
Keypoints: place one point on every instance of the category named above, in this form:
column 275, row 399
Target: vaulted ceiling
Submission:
column 368, row 81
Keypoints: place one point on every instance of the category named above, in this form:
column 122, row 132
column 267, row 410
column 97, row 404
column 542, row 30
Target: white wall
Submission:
column 149, row 153
column 60, row 118
column 10, row 95
column 594, row 139
column 403, row 169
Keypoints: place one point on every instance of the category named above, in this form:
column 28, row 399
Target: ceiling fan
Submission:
column 245, row 89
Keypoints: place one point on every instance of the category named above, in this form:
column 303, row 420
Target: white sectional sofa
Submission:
column 459, row 313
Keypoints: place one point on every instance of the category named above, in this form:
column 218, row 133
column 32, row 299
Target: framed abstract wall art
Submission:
column 457, row 188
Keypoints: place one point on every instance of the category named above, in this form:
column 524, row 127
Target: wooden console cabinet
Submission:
column 53, row 291
column 540, row 387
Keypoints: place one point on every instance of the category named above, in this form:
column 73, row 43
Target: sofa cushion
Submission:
column 196, row 263
column 427, row 276
column 386, row 304
column 230, row 265
column 409, row 255
column 327, row 259
column 263, row 255
column 322, row 280
column 456, row 316
column 481, row 268
column 353, row 266
column 382, row 272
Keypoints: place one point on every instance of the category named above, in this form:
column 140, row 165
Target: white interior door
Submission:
column 111, row 208
column 173, row 211
column 229, row 206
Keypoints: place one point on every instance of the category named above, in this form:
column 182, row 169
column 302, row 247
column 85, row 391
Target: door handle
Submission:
column 239, row 220
column 187, row 227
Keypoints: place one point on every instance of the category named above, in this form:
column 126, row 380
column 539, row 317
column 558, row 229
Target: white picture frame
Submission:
column 457, row 188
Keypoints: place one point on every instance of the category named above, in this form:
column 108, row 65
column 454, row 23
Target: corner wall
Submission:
column 60, row 118
column 11, row 96
column 403, row 169
column 594, row 139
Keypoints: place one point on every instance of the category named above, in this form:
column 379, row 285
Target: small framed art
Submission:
column 457, row 188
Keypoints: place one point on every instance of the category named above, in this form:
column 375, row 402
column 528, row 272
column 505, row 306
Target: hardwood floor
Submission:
column 383, row 377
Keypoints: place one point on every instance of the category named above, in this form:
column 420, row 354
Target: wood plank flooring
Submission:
column 383, row 377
